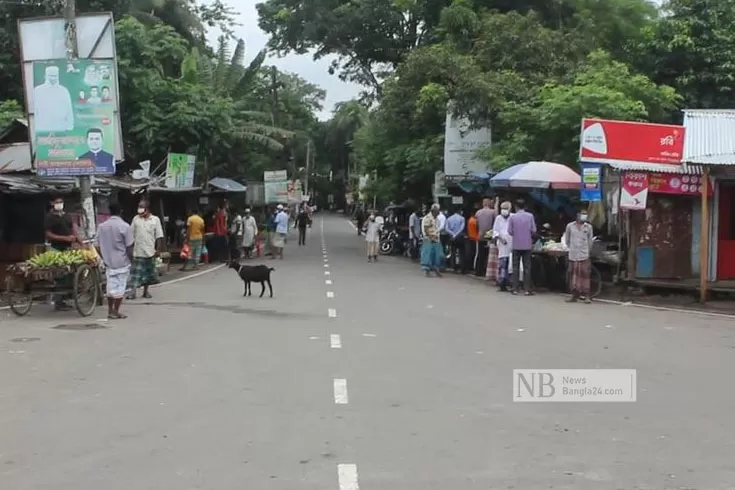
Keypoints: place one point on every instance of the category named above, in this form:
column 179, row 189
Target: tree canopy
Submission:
column 528, row 69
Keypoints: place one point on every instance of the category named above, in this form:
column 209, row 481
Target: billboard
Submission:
column 67, row 141
column 74, row 111
column 180, row 171
column 276, row 186
column 604, row 141
column 461, row 145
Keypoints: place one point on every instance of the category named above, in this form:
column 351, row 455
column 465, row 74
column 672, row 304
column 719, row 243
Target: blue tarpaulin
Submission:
column 227, row 185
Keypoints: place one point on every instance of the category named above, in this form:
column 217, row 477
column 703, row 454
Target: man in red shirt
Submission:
column 220, row 233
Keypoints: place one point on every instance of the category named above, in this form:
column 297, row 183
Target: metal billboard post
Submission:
column 85, row 181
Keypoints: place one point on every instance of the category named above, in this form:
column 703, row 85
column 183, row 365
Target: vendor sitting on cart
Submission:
column 61, row 234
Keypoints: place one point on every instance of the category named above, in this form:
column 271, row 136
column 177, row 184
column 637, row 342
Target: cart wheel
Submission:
column 86, row 290
column 20, row 303
column 595, row 281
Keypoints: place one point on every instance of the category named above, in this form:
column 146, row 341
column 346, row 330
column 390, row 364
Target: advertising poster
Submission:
column 180, row 171
column 591, row 182
column 634, row 192
column 276, row 187
column 683, row 185
column 604, row 141
column 74, row 114
column 461, row 145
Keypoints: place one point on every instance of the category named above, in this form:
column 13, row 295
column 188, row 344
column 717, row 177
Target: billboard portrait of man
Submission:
column 94, row 96
column 52, row 106
column 104, row 163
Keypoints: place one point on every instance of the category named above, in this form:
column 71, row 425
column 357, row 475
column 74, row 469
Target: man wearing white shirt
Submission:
column 52, row 104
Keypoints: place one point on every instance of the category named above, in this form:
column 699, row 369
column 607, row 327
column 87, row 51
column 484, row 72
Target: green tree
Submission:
column 9, row 111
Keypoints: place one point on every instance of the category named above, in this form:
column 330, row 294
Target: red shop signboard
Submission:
column 685, row 185
column 605, row 141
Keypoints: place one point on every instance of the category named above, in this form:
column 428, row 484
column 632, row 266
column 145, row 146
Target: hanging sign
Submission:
column 684, row 185
column 634, row 192
column 591, row 182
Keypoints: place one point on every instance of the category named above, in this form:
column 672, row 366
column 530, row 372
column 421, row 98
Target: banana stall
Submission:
column 74, row 274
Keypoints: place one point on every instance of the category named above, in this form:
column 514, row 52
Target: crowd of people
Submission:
column 495, row 242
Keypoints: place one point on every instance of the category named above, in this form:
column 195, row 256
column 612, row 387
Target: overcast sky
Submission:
column 314, row 72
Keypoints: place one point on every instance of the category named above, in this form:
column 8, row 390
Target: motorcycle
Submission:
column 388, row 242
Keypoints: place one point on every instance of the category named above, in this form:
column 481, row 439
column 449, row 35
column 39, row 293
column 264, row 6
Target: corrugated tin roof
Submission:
column 15, row 157
column 710, row 137
column 659, row 168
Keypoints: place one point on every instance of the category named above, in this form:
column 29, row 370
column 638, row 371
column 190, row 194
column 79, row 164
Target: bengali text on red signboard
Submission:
column 605, row 141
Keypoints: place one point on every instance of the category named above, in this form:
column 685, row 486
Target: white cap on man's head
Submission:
column 279, row 207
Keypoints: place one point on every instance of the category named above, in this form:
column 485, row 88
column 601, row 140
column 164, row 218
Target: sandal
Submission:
column 116, row 316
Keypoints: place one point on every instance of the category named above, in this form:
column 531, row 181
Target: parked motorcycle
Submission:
column 388, row 242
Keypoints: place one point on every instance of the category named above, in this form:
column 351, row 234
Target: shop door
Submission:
column 726, row 235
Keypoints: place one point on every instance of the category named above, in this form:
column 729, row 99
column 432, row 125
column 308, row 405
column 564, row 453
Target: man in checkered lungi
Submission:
column 148, row 236
column 578, row 239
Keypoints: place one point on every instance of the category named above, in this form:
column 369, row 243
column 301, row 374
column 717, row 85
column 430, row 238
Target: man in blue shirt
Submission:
column 455, row 228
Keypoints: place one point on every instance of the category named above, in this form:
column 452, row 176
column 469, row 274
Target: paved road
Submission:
column 394, row 379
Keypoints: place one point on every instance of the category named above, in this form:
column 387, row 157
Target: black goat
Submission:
column 254, row 273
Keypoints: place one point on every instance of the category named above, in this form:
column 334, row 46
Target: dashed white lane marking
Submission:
column 349, row 223
column 332, row 313
column 328, row 282
column 330, row 294
column 326, row 273
column 326, row 265
column 335, row 341
column 340, row 391
column 326, row 260
column 347, row 477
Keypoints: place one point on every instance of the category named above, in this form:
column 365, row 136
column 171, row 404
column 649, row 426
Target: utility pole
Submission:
column 85, row 181
column 308, row 167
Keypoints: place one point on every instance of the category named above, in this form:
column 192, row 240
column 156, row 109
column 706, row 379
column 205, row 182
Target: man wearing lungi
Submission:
column 578, row 238
column 148, row 236
column 115, row 243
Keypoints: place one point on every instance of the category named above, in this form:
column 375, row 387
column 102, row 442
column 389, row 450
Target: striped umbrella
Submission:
column 538, row 175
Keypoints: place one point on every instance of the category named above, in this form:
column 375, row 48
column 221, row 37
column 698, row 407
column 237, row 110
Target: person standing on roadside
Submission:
column 414, row 232
column 579, row 238
column 302, row 222
column 455, row 229
column 61, row 234
column 195, row 240
column 279, row 238
column 249, row 233
column 220, row 252
column 234, row 236
column 471, row 245
column 431, row 248
column 148, row 237
column 522, row 228
column 505, row 245
column 359, row 218
column 115, row 243
column 485, row 221
column 372, row 237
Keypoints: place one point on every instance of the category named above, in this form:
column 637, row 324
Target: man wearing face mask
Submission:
column 148, row 236
column 505, row 245
column 61, row 234
column 372, row 237
column 578, row 238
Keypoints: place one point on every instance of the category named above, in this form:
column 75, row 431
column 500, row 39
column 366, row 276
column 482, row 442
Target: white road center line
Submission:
column 332, row 313
column 326, row 260
column 326, row 273
column 330, row 294
column 328, row 282
column 340, row 392
column 335, row 341
column 347, row 477
column 326, row 265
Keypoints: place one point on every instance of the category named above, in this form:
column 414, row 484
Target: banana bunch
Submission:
column 54, row 258
column 90, row 255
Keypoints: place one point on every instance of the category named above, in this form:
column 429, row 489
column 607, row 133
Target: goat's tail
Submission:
column 271, row 269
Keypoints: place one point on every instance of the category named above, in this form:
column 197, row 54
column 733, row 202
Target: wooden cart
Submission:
column 82, row 283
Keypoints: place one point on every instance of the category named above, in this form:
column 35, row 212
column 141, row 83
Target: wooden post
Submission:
column 704, row 240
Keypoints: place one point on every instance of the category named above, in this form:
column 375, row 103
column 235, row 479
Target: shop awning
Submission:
column 709, row 136
column 659, row 168
column 227, row 185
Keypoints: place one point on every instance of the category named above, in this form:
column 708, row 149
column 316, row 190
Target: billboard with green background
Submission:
column 74, row 117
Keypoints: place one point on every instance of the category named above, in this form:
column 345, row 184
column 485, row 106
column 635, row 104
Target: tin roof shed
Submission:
column 709, row 137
